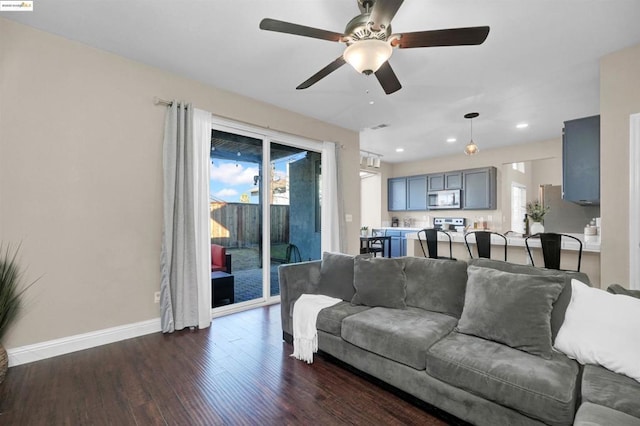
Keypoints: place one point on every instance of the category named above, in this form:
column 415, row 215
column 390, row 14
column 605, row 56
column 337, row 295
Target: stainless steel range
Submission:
column 449, row 223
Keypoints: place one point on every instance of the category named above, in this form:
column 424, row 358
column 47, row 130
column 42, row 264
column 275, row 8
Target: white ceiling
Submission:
column 540, row 63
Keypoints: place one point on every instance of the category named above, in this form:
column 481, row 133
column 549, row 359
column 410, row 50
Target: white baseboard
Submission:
column 65, row 345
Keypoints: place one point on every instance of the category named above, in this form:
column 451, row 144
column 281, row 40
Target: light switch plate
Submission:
column 348, row 217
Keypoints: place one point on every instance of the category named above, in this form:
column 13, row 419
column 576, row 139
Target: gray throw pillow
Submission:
column 379, row 282
column 336, row 276
column 436, row 285
column 561, row 305
column 513, row 309
column 618, row 289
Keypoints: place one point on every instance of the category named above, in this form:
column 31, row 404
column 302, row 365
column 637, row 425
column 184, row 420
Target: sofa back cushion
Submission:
column 336, row 276
column 513, row 309
column 436, row 285
column 561, row 304
column 379, row 282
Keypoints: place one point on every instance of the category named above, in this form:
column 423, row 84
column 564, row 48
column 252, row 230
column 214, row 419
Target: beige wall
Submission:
column 81, row 174
column 494, row 157
column 619, row 98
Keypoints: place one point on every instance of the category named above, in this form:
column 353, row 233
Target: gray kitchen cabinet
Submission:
column 396, row 245
column 442, row 181
column 398, row 242
column 397, row 194
column 479, row 189
column 453, row 180
column 581, row 160
column 417, row 193
column 436, row 182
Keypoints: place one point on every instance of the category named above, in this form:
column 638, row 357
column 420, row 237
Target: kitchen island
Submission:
column 517, row 251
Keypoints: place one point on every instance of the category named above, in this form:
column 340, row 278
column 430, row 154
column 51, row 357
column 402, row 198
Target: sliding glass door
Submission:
column 294, row 207
column 265, row 211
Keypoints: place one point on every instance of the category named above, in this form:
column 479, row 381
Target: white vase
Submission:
column 536, row 228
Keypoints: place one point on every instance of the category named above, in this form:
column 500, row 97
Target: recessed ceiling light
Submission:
column 522, row 125
column 371, row 102
column 451, row 140
column 399, row 149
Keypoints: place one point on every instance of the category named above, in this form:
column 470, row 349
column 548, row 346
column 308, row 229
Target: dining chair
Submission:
column 552, row 248
column 483, row 243
column 377, row 246
column 430, row 238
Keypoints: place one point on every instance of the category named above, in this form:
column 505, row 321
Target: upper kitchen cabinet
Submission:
column 407, row 193
column 453, row 180
column 581, row 160
column 479, row 189
column 417, row 193
column 397, row 194
column 444, row 181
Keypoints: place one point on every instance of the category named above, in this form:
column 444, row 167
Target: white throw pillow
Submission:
column 603, row 329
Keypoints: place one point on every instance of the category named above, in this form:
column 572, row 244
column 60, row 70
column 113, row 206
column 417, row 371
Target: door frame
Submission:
column 267, row 136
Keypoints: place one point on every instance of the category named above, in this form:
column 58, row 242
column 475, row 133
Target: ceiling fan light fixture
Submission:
column 367, row 56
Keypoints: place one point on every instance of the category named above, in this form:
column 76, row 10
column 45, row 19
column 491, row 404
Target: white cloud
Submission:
column 226, row 192
column 233, row 174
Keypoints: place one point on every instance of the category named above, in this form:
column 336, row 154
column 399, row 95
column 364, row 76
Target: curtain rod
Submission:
column 159, row 101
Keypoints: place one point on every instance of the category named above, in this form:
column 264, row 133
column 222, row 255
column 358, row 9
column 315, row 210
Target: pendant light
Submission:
column 471, row 147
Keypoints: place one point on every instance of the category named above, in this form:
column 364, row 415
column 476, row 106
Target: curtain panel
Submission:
column 331, row 214
column 185, row 287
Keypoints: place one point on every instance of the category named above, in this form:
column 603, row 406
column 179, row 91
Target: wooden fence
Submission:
column 237, row 225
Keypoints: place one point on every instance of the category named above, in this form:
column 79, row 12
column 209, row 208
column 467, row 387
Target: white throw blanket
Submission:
column 305, row 334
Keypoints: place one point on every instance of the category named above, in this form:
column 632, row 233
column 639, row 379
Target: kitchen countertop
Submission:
column 591, row 245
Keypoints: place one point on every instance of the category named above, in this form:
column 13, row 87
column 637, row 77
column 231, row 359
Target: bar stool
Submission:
column 551, row 248
column 431, row 239
column 483, row 243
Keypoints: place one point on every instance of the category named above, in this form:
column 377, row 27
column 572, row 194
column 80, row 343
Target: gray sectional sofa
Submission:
column 474, row 340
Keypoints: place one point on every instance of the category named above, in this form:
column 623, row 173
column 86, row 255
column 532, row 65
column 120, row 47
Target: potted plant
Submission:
column 11, row 291
column 364, row 231
column 535, row 213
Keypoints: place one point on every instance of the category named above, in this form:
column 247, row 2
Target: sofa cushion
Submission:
column 561, row 304
column 514, row 309
column 539, row 388
column 595, row 415
column 336, row 276
column 610, row 389
column 379, row 282
column 602, row 328
column 402, row 335
column 330, row 319
column 436, row 285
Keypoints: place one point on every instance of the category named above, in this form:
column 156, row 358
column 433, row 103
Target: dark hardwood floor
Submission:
column 237, row 372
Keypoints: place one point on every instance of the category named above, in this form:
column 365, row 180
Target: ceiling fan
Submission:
column 370, row 42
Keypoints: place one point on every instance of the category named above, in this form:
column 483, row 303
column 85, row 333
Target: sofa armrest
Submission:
column 295, row 280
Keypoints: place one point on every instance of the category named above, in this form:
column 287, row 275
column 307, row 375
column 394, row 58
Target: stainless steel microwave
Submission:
column 444, row 199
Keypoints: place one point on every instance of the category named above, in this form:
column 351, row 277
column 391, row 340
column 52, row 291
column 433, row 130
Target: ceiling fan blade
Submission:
column 322, row 73
column 388, row 79
column 289, row 28
column 383, row 12
column 450, row 37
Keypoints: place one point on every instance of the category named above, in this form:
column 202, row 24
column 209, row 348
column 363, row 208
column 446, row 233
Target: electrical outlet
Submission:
column 156, row 297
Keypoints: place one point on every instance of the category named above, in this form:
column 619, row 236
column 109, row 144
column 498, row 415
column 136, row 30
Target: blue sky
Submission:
column 231, row 179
